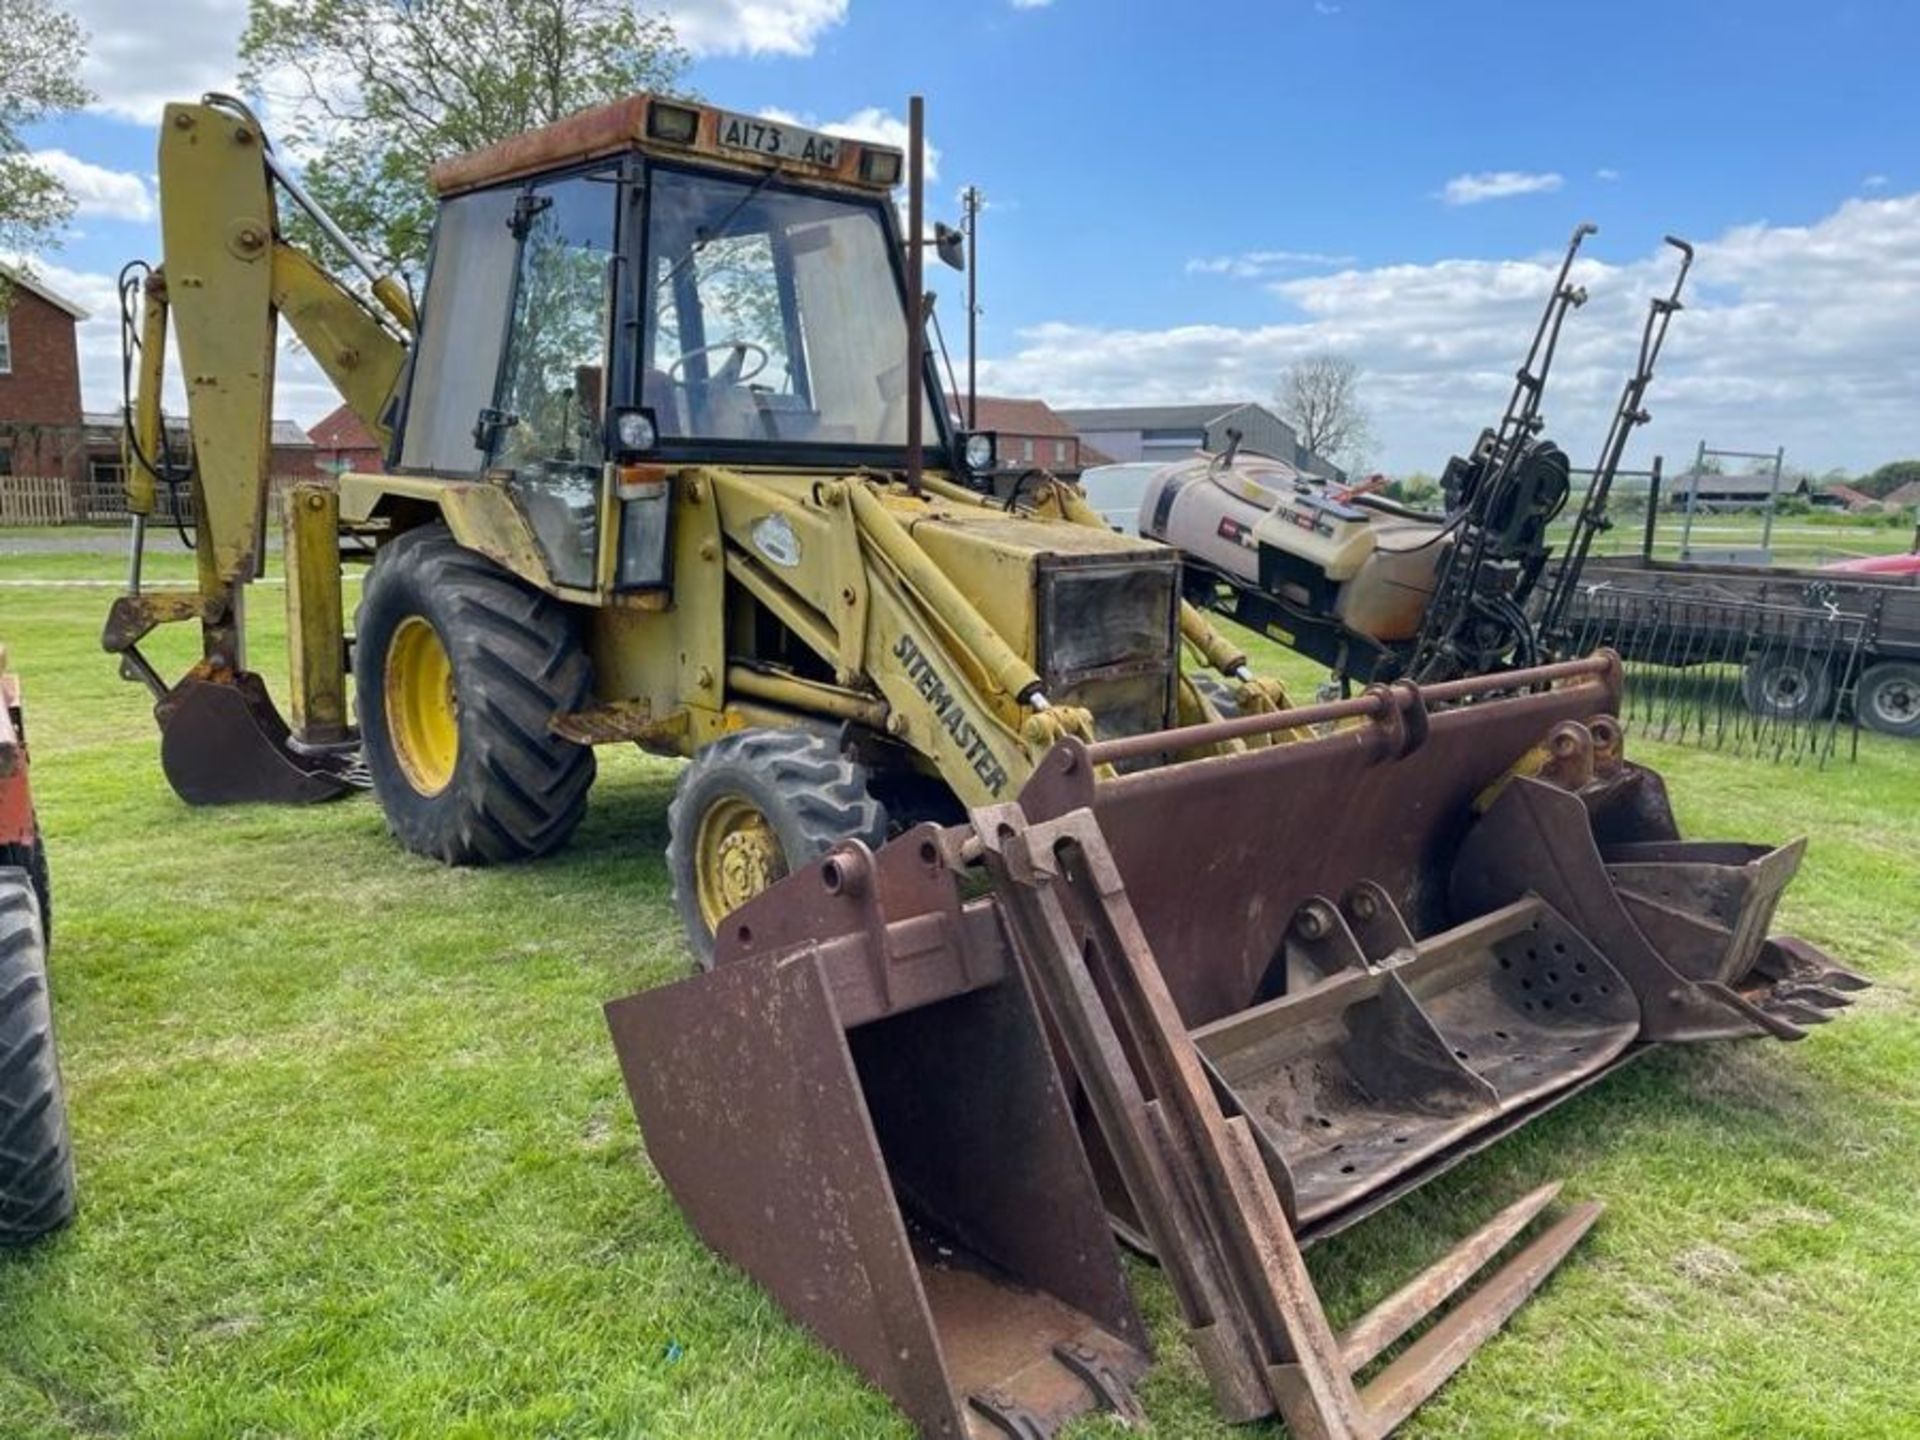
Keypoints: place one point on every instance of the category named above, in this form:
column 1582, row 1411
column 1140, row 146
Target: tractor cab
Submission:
column 649, row 284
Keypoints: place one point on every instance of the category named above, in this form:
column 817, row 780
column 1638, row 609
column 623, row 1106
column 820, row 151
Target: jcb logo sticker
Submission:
column 947, row 708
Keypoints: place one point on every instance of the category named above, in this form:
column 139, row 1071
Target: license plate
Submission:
column 777, row 139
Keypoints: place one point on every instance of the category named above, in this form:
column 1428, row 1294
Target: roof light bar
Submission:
column 676, row 124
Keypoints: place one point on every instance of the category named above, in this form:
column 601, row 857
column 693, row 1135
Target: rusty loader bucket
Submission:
column 1251, row 994
column 871, row 1125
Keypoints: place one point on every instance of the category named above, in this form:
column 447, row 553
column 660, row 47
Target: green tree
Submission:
column 40, row 51
column 1419, row 488
column 377, row 91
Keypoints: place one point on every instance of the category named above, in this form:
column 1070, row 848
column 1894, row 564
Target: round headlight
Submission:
column 636, row 431
column 979, row 452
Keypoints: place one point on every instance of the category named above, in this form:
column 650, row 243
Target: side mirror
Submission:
column 631, row 430
column 950, row 245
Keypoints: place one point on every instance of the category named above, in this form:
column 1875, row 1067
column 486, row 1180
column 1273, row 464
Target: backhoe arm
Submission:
column 227, row 278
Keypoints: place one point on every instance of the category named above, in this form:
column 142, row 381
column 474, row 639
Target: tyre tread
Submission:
column 827, row 794
column 523, row 790
column 36, row 1159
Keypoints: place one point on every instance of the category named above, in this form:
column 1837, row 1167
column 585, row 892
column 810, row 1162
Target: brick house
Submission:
column 39, row 379
column 292, row 458
column 342, row 443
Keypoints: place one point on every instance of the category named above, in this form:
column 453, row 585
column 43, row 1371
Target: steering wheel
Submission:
column 729, row 373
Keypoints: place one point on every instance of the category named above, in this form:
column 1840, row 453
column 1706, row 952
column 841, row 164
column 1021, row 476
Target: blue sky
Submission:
column 1183, row 199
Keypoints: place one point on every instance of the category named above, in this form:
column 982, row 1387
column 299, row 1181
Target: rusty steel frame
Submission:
column 1154, row 994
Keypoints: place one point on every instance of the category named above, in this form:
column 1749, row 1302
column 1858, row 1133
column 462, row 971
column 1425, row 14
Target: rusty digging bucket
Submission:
column 1225, row 1003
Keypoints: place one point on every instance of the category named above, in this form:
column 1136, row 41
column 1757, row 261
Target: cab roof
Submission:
column 650, row 123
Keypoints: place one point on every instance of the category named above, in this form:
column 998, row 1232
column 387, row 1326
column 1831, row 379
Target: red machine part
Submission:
column 16, row 796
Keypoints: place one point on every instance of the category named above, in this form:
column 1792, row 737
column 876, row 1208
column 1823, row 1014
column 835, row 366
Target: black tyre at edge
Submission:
column 517, row 790
column 36, row 1156
column 1872, row 698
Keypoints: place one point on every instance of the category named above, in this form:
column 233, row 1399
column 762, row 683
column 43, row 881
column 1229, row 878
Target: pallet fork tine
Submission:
column 1196, row 1171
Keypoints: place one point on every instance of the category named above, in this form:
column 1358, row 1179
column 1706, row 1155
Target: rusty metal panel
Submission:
column 16, row 794
column 768, row 1149
column 1356, row 1081
column 1220, row 853
column 911, row 1190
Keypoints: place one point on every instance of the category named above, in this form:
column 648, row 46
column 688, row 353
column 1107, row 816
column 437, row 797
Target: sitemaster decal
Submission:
column 947, row 707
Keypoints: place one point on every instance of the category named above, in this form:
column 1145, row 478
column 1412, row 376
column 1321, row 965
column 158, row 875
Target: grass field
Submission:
column 1795, row 540
column 355, row 1159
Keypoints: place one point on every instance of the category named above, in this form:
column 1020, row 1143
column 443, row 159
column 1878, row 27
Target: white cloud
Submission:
column 109, row 194
column 1498, row 185
column 1258, row 264
column 1606, row 172
column 1030, row 4
column 1798, row 335
column 871, row 123
column 754, row 27
column 1875, row 182
column 301, row 389
column 1323, row 7
column 140, row 56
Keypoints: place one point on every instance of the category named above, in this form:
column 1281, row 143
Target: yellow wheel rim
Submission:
column 423, row 713
column 736, row 856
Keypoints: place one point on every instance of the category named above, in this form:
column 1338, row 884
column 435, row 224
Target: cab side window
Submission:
column 457, row 359
column 548, row 413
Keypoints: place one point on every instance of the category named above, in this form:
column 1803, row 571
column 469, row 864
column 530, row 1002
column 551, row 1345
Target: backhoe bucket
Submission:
column 222, row 742
column 1283, row 983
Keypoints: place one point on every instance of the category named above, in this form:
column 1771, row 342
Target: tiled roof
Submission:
column 25, row 281
column 341, row 430
column 1017, row 417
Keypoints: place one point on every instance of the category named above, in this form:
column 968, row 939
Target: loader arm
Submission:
column 226, row 279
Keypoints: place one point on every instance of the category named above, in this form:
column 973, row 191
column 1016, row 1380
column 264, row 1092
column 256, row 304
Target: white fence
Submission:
column 56, row 500
column 37, row 500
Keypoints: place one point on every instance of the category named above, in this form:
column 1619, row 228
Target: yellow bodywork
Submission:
column 916, row 615
column 922, row 607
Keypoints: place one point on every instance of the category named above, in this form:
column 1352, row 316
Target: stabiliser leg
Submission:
column 1196, row 1176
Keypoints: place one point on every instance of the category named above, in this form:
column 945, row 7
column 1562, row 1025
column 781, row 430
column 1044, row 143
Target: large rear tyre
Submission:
column 1888, row 699
column 458, row 668
column 1794, row 688
column 36, row 1159
column 752, row 808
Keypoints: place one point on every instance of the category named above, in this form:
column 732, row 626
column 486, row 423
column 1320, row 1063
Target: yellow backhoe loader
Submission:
column 662, row 470
column 1008, row 935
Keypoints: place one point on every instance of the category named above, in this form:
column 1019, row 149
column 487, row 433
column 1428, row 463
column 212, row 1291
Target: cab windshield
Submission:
column 772, row 315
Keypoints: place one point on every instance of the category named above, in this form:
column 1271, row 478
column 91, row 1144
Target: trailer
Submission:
column 1809, row 644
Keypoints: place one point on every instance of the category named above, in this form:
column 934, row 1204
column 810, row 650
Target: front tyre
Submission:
column 459, row 668
column 753, row 807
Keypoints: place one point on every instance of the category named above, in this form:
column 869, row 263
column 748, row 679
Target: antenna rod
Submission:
column 916, row 307
column 973, row 306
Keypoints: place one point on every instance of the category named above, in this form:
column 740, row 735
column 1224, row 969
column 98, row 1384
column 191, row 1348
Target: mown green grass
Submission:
column 1794, row 540
column 355, row 1159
